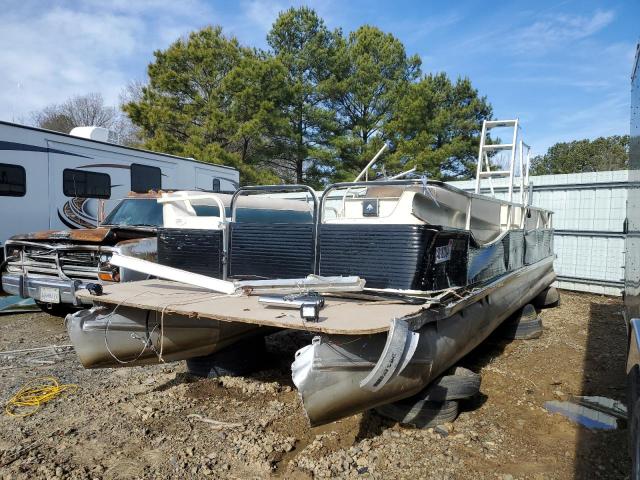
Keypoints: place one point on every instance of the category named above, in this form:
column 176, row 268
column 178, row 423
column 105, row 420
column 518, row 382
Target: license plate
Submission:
column 49, row 295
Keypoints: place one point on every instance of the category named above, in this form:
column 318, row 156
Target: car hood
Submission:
column 100, row 235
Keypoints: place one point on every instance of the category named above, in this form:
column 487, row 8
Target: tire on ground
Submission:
column 458, row 384
column 238, row 359
column 420, row 414
column 523, row 325
column 548, row 298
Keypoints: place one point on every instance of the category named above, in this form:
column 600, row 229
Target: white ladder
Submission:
column 484, row 165
column 525, row 162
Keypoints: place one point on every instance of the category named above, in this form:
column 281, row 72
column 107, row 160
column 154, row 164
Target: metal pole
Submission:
column 373, row 160
column 513, row 159
column 403, row 174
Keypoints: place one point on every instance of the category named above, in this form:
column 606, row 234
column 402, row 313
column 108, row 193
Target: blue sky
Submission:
column 562, row 67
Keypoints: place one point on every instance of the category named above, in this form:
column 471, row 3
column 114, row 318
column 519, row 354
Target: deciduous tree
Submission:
column 603, row 153
column 87, row 110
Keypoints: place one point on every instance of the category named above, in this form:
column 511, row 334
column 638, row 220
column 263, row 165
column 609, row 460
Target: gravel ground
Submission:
column 159, row 422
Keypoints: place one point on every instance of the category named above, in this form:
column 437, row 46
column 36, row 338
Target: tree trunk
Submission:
column 299, row 163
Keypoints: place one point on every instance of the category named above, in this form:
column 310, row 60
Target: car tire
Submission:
column 523, row 325
column 238, row 359
column 421, row 413
column 548, row 298
column 458, row 384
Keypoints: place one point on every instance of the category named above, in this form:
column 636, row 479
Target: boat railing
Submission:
column 543, row 219
column 190, row 197
column 269, row 189
column 290, row 244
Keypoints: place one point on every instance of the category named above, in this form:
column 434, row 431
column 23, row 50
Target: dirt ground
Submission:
column 146, row 422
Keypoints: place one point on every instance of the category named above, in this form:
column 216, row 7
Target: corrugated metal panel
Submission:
column 589, row 257
column 589, row 212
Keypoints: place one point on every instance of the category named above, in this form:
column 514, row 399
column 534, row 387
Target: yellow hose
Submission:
column 34, row 394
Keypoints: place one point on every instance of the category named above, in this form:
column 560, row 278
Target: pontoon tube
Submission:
column 328, row 373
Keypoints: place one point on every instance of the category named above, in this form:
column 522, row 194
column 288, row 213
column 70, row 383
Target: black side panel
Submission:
column 447, row 261
column 386, row 256
column 197, row 251
column 262, row 250
column 538, row 245
column 514, row 249
column 486, row 262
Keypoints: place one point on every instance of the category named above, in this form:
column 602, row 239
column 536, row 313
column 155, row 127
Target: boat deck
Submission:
column 339, row 316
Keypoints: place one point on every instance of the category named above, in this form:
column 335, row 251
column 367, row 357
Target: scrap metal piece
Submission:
column 17, row 304
column 314, row 283
column 250, row 287
column 398, row 351
column 170, row 273
column 292, row 301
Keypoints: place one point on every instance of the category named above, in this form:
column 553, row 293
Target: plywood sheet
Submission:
column 339, row 316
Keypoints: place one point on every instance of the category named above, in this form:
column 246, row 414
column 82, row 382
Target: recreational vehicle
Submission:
column 51, row 180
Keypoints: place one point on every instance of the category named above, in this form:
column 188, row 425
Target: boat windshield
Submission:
column 136, row 212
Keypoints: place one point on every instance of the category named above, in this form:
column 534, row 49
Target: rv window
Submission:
column 13, row 180
column 216, row 184
column 145, row 178
column 83, row 184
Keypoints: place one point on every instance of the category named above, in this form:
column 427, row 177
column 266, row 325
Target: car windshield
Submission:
column 136, row 212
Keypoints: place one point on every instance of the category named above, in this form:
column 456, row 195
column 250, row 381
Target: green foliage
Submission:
column 601, row 154
column 212, row 99
column 437, row 127
column 313, row 109
column 305, row 47
column 371, row 75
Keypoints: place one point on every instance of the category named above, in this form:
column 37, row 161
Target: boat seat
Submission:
column 271, row 250
column 193, row 250
column 394, row 256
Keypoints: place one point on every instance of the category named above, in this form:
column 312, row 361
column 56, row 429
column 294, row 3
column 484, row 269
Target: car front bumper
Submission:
column 28, row 286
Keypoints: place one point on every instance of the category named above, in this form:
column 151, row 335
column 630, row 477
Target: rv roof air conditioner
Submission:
column 100, row 134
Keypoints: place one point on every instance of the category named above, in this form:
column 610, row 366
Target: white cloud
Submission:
column 263, row 13
column 76, row 48
column 557, row 31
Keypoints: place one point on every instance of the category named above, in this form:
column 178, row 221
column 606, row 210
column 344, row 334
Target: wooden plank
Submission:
column 339, row 316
